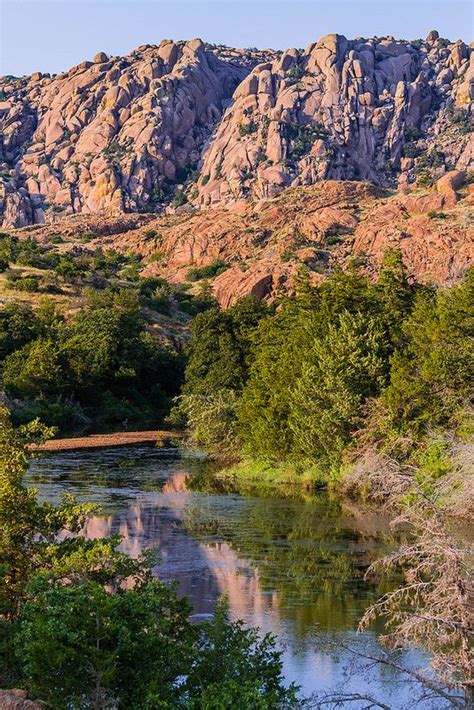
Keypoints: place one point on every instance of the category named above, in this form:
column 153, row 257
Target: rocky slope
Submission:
column 260, row 246
column 116, row 134
column 188, row 122
column 373, row 109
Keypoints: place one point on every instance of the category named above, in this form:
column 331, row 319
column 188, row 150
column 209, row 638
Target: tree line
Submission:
column 330, row 369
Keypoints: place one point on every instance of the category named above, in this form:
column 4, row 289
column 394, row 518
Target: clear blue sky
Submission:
column 52, row 35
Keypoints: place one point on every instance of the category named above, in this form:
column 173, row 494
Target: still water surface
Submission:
column 292, row 567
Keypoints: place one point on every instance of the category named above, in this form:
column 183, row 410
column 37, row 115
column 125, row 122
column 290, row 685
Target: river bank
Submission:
column 443, row 473
column 99, row 441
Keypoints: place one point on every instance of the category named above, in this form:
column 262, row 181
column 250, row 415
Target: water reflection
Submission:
column 295, row 568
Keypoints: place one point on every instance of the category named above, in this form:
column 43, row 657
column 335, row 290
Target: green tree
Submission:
column 36, row 370
column 81, row 646
column 341, row 372
column 432, row 376
column 18, row 326
column 27, row 528
column 395, row 292
column 220, row 347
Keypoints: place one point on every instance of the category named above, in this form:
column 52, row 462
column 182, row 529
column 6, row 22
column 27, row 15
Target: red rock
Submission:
column 17, row 700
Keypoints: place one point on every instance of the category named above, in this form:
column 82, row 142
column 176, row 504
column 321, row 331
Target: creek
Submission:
column 291, row 566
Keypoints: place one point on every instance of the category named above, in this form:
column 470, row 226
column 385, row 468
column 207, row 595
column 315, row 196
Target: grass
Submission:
column 250, row 475
column 7, row 294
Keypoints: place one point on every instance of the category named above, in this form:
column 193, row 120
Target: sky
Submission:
column 53, row 35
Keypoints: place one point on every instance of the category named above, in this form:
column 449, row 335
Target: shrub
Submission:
column 207, row 272
column 157, row 256
column 411, row 151
column 150, row 234
column 301, row 138
column 212, row 421
column 179, row 198
column 30, row 284
column 246, row 129
column 412, row 133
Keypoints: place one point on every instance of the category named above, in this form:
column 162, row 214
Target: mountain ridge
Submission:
column 189, row 123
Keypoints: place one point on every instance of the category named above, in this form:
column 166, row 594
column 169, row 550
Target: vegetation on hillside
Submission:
column 334, row 372
column 77, row 346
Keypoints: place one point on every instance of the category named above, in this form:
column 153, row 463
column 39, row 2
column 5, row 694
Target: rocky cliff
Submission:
column 381, row 110
column 186, row 124
column 115, row 134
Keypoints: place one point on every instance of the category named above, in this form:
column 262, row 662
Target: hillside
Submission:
column 258, row 247
column 249, row 162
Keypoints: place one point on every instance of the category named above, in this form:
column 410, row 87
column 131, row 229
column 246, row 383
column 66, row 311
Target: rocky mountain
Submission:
column 381, row 110
column 115, row 134
column 249, row 162
column 186, row 124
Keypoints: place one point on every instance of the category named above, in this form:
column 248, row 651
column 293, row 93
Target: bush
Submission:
column 247, row 129
column 179, row 198
column 209, row 271
column 412, row 133
column 150, row 234
column 30, row 284
column 211, row 420
column 157, row 256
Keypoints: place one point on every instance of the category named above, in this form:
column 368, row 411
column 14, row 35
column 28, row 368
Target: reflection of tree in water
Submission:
column 308, row 553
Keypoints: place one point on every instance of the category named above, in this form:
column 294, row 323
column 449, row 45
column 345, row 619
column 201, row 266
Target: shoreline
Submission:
column 99, row 441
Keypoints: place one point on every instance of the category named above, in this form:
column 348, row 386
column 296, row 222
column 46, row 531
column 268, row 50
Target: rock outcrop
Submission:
column 116, row 134
column 374, row 109
column 264, row 244
column 17, row 700
column 188, row 122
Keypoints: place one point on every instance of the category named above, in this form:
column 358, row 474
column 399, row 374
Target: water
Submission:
column 294, row 567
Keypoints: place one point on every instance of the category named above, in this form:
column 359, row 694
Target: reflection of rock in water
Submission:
column 176, row 483
column 294, row 568
column 203, row 572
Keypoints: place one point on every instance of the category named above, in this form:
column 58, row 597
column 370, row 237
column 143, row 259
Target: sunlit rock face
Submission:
column 342, row 109
column 124, row 133
column 114, row 134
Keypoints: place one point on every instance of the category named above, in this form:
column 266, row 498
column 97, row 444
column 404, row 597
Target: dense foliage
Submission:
column 101, row 364
column 77, row 617
column 350, row 357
